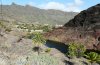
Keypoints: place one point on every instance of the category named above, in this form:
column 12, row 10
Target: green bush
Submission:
column 93, row 57
column 38, row 38
column 76, row 50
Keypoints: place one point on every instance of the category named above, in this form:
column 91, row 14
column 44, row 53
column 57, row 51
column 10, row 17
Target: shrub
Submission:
column 38, row 38
column 8, row 29
column 46, row 28
column 48, row 50
column 93, row 57
column 76, row 50
column 2, row 24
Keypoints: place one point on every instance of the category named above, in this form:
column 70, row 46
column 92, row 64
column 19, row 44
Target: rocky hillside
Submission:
column 16, row 48
column 30, row 14
column 89, row 18
column 84, row 28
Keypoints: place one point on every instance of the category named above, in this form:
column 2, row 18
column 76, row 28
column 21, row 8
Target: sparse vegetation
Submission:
column 44, row 59
column 47, row 28
column 2, row 24
column 5, row 26
column 34, row 27
column 16, row 46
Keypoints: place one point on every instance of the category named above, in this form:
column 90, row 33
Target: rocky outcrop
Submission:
column 89, row 17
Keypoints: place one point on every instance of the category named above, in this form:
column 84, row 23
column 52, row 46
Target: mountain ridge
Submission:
column 30, row 14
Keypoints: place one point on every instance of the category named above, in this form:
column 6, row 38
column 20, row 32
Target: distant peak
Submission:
column 98, row 4
column 28, row 5
column 13, row 3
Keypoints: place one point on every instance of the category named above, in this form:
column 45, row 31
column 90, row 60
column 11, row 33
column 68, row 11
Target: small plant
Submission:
column 93, row 57
column 76, row 50
column 2, row 24
column 8, row 29
column 48, row 50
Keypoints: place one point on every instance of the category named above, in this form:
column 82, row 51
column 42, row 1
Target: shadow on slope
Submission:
column 58, row 45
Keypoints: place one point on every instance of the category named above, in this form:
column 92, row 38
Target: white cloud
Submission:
column 53, row 5
column 78, row 2
column 32, row 3
column 73, row 6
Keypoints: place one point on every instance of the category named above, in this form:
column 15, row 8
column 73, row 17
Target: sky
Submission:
column 63, row 5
